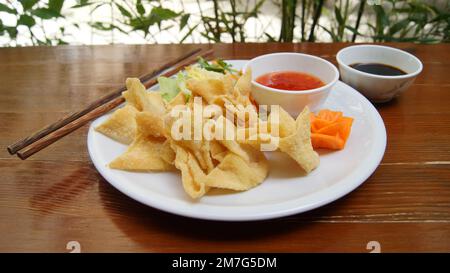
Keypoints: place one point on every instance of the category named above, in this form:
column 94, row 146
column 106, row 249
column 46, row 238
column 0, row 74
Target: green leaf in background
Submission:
column 56, row 5
column 123, row 11
column 389, row 20
column 139, row 7
column 184, row 20
column 382, row 17
column 330, row 32
column 255, row 10
column 62, row 42
column 161, row 14
column 101, row 26
column 382, row 20
column 354, row 30
column 106, row 27
column 28, row 4
column 270, row 38
column 7, row 9
column 96, row 6
column 26, row 20
column 82, row 3
column 402, row 24
column 45, row 13
column 189, row 33
column 337, row 13
column 12, row 31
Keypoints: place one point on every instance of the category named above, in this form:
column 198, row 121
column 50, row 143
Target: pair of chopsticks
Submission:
column 37, row 141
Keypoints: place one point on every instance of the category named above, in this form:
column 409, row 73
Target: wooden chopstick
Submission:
column 54, row 136
column 67, row 129
column 22, row 143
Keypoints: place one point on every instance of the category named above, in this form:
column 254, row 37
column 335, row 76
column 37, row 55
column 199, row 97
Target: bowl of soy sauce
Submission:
column 378, row 72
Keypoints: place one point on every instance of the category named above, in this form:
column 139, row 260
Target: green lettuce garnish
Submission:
column 170, row 87
column 181, row 81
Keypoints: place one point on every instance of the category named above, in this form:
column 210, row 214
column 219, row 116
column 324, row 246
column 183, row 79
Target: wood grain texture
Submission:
column 57, row 195
column 20, row 144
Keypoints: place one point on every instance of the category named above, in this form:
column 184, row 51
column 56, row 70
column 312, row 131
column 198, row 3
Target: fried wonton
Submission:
column 149, row 151
column 121, row 126
column 298, row 144
column 137, row 96
column 211, row 90
column 294, row 138
column 238, row 173
column 192, row 175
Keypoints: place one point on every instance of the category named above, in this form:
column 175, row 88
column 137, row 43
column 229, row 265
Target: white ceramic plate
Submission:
column 284, row 192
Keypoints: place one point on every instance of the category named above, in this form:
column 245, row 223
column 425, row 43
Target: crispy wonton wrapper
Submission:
column 149, row 150
column 121, row 126
column 297, row 142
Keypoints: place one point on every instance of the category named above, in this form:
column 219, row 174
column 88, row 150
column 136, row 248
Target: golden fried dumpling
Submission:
column 149, row 150
column 137, row 96
column 238, row 173
column 298, row 145
column 192, row 175
column 121, row 125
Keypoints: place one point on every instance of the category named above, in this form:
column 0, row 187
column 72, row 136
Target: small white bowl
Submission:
column 378, row 88
column 292, row 101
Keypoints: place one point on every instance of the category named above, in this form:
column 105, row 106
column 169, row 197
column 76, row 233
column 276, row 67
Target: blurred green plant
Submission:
column 221, row 20
column 229, row 22
column 311, row 11
column 410, row 21
column 340, row 13
column 135, row 17
column 31, row 14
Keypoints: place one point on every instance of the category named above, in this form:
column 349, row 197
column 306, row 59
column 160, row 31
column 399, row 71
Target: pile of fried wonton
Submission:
column 144, row 123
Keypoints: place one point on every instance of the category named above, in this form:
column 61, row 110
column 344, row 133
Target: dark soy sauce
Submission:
column 378, row 69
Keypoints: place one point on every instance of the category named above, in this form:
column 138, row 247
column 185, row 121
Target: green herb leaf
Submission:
column 228, row 67
column 218, row 66
column 210, row 67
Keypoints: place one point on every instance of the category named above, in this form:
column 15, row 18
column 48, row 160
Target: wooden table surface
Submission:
column 57, row 195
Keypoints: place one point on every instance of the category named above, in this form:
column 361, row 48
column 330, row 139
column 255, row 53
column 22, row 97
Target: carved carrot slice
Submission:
column 330, row 129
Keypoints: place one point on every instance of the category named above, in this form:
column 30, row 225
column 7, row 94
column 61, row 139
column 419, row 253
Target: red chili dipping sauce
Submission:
column 290, row 80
